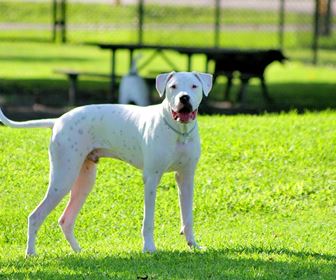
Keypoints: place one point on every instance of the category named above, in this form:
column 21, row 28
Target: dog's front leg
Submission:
column 185, row 182
column 150, row 181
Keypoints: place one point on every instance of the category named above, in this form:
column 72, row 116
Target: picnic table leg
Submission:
column 207, row 60
column 189, row 63
column 72, row 88
column 148, row 60
column 111, row 93
column 131, row 58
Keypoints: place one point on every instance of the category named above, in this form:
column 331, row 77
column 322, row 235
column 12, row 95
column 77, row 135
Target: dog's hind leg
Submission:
column 151, row 181
column 64, row 169
column 79, row 193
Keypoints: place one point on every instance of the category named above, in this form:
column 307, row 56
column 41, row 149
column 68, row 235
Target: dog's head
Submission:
column 184, row 92
column 275, row 55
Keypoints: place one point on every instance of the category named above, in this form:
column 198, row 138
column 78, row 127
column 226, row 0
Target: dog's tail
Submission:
column 49, row 123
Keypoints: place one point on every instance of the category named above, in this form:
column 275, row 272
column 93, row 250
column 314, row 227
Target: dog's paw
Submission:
column 30, row 254
column 76, row 248
column 195, row 247
column 149, row 248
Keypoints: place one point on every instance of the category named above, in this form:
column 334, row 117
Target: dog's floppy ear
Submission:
column 206, row 81
column 161, row 82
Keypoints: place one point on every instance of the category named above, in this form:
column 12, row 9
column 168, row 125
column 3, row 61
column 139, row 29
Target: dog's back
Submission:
column 247, row 62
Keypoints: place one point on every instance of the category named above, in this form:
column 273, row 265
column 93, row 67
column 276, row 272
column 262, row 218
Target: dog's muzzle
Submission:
column 186, row 113
column 184, row 117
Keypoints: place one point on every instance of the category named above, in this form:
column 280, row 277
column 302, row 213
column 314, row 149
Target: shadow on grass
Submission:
column 51, row 92
column 313, row 96
column 243, row 263
column 286, row 96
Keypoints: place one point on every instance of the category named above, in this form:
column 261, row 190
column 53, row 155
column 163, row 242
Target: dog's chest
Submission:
column 183, row 155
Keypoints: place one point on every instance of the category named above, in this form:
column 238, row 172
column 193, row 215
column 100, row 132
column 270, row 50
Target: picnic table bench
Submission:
column 73, row 76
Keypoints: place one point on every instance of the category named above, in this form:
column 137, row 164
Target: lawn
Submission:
column 265, row 200
column 265, row 207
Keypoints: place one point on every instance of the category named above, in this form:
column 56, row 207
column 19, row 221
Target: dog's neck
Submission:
column 183, row 131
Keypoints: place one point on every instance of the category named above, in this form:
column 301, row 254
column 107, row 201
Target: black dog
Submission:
column 248, row 64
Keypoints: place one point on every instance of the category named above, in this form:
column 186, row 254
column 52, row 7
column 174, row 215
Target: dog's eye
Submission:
column 173, row 86
column 194, row 86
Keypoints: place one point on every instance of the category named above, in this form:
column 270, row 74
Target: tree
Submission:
column 325, row 16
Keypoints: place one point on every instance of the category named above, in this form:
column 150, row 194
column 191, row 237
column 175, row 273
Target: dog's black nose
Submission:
column 185, row 99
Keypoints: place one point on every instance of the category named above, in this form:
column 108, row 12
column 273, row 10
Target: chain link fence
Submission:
column 297, row 26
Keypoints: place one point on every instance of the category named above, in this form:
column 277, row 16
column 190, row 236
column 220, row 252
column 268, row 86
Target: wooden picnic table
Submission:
column 158, row 50
column 219, row 55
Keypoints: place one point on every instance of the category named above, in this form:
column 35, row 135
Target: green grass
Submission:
column 265, row 207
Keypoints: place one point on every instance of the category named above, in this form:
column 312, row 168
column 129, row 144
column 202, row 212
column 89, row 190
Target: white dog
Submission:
column 156, row 139
column 133, row 89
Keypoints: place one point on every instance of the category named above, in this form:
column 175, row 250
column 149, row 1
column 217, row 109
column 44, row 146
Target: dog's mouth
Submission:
column 184, row 115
